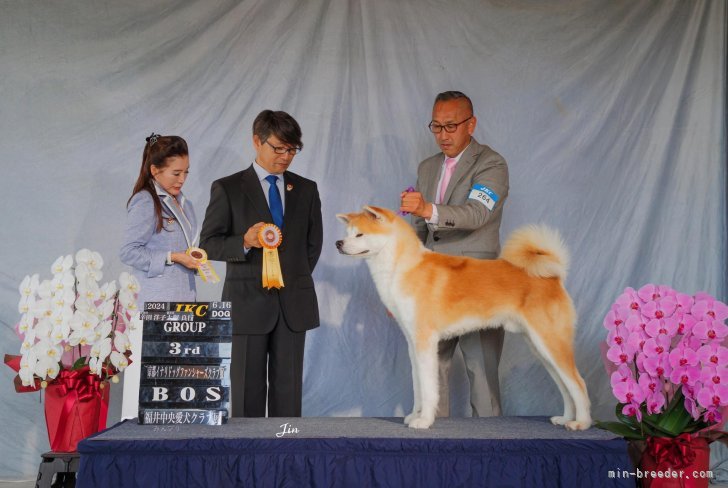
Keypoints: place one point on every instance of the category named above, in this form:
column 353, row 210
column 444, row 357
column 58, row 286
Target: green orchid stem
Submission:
column 115, row 313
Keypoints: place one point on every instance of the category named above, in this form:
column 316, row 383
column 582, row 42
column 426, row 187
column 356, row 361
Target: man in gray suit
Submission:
column 457, row 209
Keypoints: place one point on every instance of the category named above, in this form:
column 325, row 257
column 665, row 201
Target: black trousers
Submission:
column 268, row 368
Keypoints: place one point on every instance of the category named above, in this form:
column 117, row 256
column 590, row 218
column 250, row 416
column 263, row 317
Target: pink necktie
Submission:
column 449, row 169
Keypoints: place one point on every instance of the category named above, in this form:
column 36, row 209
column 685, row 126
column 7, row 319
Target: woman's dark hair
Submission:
column 156, row 151
column 279, row 124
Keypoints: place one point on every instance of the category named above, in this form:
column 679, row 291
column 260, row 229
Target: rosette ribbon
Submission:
column 206, row 271
column 270, row 237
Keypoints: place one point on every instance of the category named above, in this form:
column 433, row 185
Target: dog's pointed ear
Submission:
column 373, row 212
column 343, row 217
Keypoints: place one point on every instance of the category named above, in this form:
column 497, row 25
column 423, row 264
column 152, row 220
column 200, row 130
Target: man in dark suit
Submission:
column 457, row 209
column 269, row 325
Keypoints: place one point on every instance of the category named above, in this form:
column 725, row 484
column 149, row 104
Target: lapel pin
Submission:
column 289, row 187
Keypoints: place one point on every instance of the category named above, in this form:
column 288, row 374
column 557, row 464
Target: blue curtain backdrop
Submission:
column 611, row 116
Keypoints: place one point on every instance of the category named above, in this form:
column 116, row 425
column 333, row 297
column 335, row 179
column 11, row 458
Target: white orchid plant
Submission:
column 71, row 322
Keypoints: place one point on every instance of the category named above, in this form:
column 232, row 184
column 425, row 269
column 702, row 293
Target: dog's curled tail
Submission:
column 539, row 250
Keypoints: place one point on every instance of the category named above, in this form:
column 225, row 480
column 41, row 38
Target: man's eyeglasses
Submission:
column 436, row 128
column 283, row 150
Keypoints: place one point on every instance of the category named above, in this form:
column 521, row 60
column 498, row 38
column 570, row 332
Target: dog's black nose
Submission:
column 339, row 244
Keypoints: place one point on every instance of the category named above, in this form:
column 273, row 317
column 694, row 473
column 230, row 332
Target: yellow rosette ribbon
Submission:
column 206, row 271
column 270, row 237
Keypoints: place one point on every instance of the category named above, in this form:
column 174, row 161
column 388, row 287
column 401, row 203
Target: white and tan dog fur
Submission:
column 435, row 296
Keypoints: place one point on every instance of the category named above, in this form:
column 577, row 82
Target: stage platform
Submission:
column 354, row 452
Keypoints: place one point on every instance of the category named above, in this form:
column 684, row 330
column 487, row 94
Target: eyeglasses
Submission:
column 436, row 128
column 283, row 150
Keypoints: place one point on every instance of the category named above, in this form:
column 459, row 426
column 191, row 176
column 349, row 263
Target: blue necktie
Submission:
column 274, row 201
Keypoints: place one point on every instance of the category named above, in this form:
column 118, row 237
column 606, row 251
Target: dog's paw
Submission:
column 577, row 425
column 409, row 418
column 559, row 420
column 421, row 423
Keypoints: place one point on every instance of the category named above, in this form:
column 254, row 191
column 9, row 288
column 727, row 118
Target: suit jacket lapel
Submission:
column 184, row 223
column 432, row 179
column 253, row 190
column 462, row 168
column 289, row 203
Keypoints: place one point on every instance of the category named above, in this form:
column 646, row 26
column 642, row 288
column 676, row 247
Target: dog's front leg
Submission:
column 417, row 397
column 426, row 359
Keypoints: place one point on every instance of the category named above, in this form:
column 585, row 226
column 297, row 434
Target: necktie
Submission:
column 449, row 170
column 274, row 201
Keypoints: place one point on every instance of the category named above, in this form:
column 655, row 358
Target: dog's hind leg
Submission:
column 558, row 356
column 568, row 401
column 569, row 407
column 417, row 401
column 426, row 358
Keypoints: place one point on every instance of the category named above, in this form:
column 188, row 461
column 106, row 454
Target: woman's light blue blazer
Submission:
column 145, row 249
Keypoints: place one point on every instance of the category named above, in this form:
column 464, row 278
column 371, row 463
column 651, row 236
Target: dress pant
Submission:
column 481, row 352
column 267, row 369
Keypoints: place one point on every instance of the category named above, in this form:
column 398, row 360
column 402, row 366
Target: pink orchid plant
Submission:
column 668, row 362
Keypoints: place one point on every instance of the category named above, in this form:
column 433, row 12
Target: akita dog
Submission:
column 435, row 296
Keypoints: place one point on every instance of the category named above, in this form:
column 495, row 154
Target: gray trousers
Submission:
column 482, row 352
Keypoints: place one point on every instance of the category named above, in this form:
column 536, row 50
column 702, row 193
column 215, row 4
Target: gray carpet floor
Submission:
column 357, row 427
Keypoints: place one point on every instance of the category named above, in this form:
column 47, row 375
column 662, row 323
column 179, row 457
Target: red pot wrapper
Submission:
column 76, row 406
column 14, row 363
column 677, row 458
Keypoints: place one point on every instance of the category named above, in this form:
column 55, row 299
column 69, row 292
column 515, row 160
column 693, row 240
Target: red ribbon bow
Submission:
column 674, row 452
column 82, row 381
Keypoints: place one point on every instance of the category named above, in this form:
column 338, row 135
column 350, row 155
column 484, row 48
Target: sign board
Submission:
column 185, row 370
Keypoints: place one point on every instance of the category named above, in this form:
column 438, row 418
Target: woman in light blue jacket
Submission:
column 160, row 227
column 161, row 224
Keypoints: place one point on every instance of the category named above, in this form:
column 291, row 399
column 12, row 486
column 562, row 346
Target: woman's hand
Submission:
column 185, row 260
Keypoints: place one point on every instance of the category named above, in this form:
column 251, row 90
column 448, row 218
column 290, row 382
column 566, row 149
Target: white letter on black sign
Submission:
column 213, row 394
column 187, row 393
column 160, row 394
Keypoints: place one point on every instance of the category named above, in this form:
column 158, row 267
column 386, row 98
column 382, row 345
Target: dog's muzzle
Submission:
column 340, row 245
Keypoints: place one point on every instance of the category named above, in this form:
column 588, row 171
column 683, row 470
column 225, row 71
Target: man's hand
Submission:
column 413, row 203
column 250, row 239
